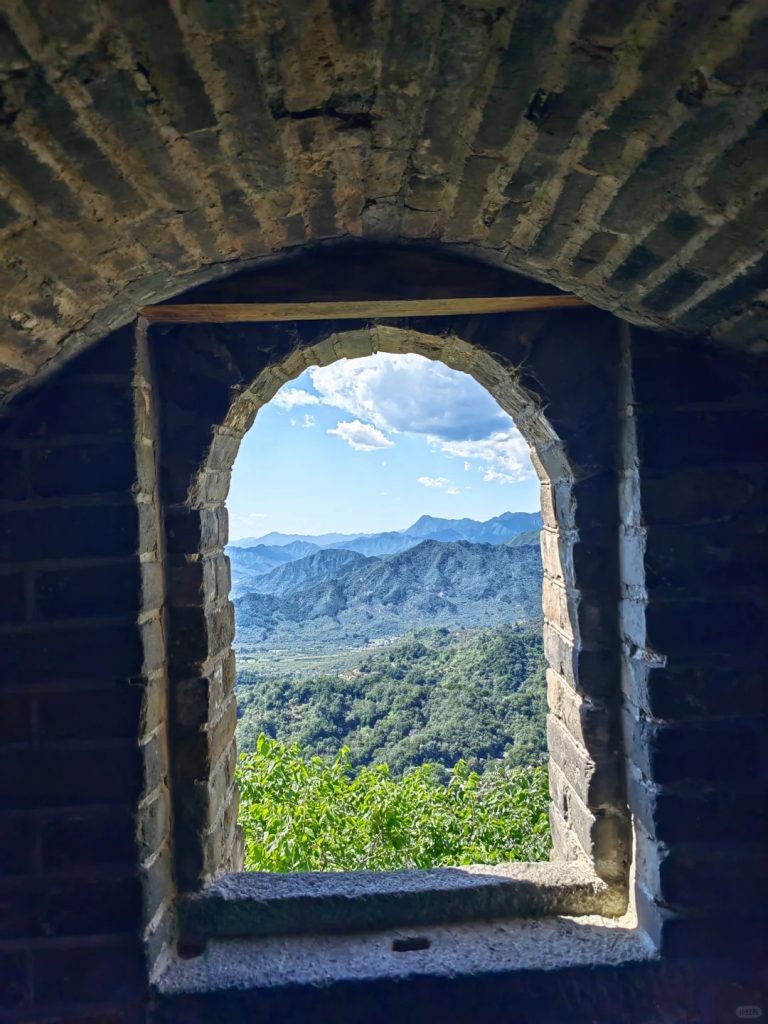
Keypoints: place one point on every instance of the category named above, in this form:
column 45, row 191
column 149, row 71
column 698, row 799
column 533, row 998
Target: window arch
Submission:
column 212, row 380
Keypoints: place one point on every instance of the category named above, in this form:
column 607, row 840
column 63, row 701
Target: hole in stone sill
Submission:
column 189, row 948
column 411, row 944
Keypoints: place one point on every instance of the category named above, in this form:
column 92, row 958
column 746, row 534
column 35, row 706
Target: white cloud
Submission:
column 502, row 478
column 361, row 436
column 440, row 483
column 289, row 398
column 247, row 517
column 410, row 394
column 309, row 421
column 504, row 456
column 433, row 481
column 467, row 466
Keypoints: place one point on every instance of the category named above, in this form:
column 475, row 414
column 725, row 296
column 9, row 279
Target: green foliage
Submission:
column 308, row 814
column 435, row 696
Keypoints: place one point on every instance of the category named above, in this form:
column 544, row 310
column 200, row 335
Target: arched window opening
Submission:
column 534, row 369
column 387, row 584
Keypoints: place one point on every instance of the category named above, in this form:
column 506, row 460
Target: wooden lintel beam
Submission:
column 262, row 312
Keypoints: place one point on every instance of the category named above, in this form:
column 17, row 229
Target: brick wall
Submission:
column 694, row 678
column 115, row 595
column 83, row 807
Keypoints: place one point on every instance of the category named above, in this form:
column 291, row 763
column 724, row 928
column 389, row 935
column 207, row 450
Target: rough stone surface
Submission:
column 147, row 146
column 269, row 904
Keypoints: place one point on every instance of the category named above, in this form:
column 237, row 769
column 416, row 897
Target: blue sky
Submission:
column 366, row 445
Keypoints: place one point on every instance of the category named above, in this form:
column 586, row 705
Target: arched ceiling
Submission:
column 614, row 148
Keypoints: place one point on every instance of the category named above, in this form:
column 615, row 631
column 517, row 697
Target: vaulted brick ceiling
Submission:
column 614, row 148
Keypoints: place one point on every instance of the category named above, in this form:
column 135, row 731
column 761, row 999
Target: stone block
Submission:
column 594, row 775
column 109, row 972
column 197, row 634
column 195, row 531
column 13, row 607
column 692, row 692
column 18, row 847
column 682, row 753
column 557, row 505
column 153, row 826
column 76, row 777
column 88, row 839
column 82, row 469
column 13, row 474
column 14, row 981
column 73, row 653
column 589, row 723
column 156, row 878
column 75, row 406
column 90, row 714
column 61, row 907
column 706, row 557
column 85, row 531
column 196, row 700
column 704, row 495
column 603, row 836
column 716, row 937
column 557, row 607
column 698, row 813
column 684, row 629
column 84, row 591
column 730, row 437
column 557, row 555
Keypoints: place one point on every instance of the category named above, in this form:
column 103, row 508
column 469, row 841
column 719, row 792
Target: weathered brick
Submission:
column 108, row 972
column 594, row 778
column 13, row 979
column 18, row 845
column 192, row 531
column 153, row 825
column 700, row 439
column 733, row 628
column 85, row 531
column 89, row 590
column 698, row 692
column 82, row 469
column 75, row 406
column 699, row 814
column 73, row 653
column 88, row 840
column 197, row 634
column 55, row 907
column 680, row 753
column 689, row 496
column 16, row 719
column 13, row 606
column 52, row 778
column 90, row 714
column 13, row 474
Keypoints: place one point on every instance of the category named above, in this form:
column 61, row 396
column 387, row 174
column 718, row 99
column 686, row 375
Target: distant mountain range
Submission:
column 256, row 556
column 336, row 598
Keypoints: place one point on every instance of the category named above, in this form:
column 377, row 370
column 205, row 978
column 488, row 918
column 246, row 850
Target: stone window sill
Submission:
column 502, row 946
column 260, row 904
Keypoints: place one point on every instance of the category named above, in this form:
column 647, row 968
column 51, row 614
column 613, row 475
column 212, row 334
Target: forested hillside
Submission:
column 453, row 585
column 391, row 697
column 438, row 696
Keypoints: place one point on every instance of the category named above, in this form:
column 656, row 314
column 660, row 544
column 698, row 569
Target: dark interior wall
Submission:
column 84, row 807
column 695, row 693
column 83, row 835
